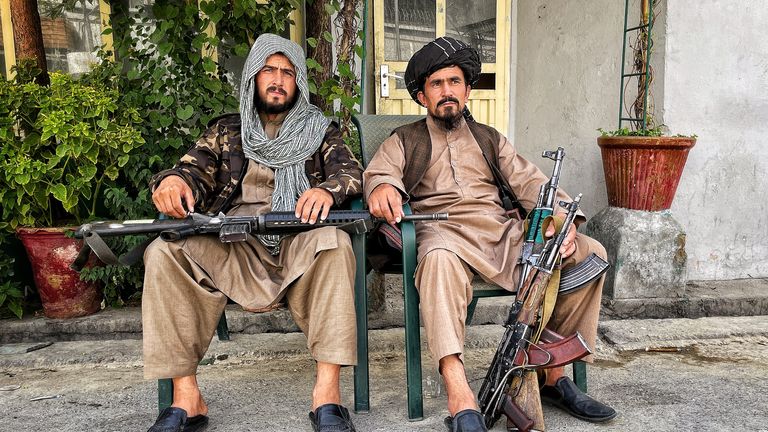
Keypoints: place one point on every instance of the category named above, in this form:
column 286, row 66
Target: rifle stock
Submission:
column 516, row 415
column 529, row 403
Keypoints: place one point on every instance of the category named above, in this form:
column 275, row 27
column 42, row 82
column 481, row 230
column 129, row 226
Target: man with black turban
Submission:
column 439, row 165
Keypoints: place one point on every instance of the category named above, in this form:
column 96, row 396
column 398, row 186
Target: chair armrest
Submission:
column 408, row 231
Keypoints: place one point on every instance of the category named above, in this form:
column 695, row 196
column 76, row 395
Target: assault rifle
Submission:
column 522, row 349
column 228, row 228
column 526, row 344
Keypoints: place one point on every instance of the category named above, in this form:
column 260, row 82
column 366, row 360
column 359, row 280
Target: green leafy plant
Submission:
column 654, row 132
column 11, row 295
column 341, row 90
column 61, row 146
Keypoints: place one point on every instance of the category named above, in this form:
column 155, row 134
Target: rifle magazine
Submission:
column 575, row 277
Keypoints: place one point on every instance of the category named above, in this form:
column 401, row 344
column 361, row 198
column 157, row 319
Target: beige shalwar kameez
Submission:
column 478, row 237
column 187, row 284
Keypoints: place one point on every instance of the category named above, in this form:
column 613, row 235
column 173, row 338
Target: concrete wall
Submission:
column 567, row 86
column 717, row 87
column 712, row 80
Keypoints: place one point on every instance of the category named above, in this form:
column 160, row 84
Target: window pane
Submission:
column 408, row 26
column 474, row 23
column 71, row 37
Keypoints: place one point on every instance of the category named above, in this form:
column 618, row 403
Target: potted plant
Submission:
column 61, row 147
column 642, row 166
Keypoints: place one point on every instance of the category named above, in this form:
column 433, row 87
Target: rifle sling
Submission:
column 93, row 242
column 548, row 304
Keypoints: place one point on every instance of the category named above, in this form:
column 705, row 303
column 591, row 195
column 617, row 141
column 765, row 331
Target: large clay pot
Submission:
column 642, row 173
column 62, row 293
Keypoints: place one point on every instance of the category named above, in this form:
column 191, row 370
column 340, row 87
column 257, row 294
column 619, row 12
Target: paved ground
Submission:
column 704, row 374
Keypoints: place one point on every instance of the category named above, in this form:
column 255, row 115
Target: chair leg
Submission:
column 413, row 355
column 471, row 311
column 222, row 330
column 361, row 378
column 164, row 393
column 412, row 332
column 580, row 375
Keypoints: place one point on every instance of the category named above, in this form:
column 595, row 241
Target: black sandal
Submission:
column 174, row 419
column 331, row 418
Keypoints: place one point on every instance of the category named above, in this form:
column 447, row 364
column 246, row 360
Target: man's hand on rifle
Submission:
column 171, row 195
column 314, row 202
column 386, row 202
column 569, row 244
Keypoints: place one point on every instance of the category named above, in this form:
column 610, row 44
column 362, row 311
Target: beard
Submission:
column 450, row 117
column 267, row 107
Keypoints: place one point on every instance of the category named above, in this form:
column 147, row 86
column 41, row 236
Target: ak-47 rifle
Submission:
column 521, row 350
column 526, row 344
column 228, row 228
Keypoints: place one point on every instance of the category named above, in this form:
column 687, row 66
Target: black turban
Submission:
column 440, row 53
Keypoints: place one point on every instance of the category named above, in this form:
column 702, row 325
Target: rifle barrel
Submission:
column 425, row 217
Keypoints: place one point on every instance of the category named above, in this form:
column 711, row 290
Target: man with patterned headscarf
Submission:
column 280, row 153
column 445, row 164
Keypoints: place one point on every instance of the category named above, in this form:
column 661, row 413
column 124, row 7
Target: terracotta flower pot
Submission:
column 642, row 173
column 62, row 293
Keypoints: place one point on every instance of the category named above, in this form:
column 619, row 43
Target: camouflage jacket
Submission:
column 214, row 166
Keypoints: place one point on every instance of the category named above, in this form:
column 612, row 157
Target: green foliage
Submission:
column 657, row 131
column 60, row 146
column 341, row 90
column 11, row 296
column 240, row 23
column 654, row 132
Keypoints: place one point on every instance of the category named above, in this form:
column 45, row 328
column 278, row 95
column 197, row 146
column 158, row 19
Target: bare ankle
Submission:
column 187, row 396
column 326, row 385
column 322, row 395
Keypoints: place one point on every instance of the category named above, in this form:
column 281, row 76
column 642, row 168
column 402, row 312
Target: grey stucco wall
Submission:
column 716, row 86
column 712, row 80
column 567, row 86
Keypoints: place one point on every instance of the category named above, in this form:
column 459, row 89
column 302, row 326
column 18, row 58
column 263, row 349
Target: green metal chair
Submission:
column 373, row 130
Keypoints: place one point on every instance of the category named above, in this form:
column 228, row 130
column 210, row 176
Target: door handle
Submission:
column 384, row 76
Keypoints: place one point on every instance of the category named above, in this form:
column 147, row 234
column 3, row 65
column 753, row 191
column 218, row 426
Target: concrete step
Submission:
column 747, row 297
column 615, row 337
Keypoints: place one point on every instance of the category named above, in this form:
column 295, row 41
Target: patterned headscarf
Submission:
column 301, row 133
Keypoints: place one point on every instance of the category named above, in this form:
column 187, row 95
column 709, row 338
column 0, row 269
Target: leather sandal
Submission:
column 174, row 419
column 468, row 420
column 331, row 418
column 567, row 396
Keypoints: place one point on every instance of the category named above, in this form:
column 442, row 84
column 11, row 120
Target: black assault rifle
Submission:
column 228, row 228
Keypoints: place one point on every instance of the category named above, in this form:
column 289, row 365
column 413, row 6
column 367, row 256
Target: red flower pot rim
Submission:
column 662, row 142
